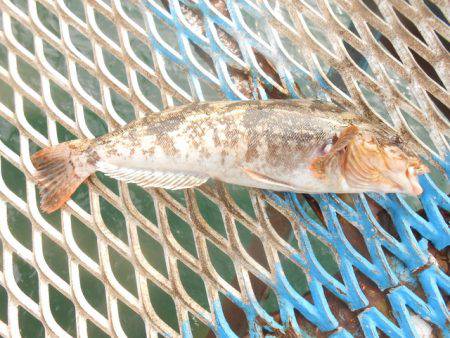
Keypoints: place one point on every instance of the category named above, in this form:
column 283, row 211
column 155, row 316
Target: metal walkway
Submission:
column 220, row 260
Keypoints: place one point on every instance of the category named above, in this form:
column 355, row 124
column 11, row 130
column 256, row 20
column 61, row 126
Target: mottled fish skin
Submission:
column 276, row 138
column 284, row 145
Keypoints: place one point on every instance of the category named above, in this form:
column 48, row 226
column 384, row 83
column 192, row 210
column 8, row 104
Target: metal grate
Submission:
column 220, row 259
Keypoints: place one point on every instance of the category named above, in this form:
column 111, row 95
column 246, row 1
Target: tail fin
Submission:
column 60, row 170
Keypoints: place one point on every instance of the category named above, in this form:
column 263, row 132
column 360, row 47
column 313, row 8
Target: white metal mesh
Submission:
column 67, row 65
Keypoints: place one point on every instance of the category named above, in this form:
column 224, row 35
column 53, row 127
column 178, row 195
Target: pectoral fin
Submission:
column 318, row 165
column 266, row 179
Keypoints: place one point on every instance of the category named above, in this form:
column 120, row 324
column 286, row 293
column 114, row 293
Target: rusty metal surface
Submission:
column 388, row 59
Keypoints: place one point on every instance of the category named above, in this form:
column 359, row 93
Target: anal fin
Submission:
column 266, row 179
column 153, row 178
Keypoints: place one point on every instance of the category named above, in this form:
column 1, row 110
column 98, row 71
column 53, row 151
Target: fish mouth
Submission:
column 412, row 173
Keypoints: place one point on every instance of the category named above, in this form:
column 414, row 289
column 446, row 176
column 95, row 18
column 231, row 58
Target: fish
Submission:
column 296, row 145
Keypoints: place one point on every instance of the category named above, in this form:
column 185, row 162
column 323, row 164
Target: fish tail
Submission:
column 61, row 169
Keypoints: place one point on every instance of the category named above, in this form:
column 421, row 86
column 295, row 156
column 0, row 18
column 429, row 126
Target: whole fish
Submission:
column 283, row 145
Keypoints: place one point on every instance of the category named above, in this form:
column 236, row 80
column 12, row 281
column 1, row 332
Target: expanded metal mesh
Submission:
column 225, row 260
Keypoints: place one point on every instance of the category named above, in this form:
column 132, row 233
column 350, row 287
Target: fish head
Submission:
column 382, row 166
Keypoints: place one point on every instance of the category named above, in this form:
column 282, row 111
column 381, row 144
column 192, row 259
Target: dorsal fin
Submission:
column 153, row 178
column 318, row 165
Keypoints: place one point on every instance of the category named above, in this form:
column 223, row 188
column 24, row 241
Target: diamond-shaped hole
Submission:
column 344, row 17
column 26, row 277
column 375, row 102
column 386, row 44
column 141, row 50
column 114, row 220
column 319, row 34
column 93, row 291
column 334, row 76
column 89, row 83
column 211, row 213
column 152, row 251
column 163, row 305
column 22, row 5
column 265, row 296
column 63, row 311
column 234, row 315
column 7, row 98
column 325, row 257
column 354, row 237
column 178, row 74
column 257, row 26
column 409, row 25
column 222, row 264
column 85, row 238
column 94, row 331
column 23, row 35
column 445, row 110
column 133, row 11
column 132, row 324
column 35, row 116
column 211, row 93
column 56, row 258
column 419, row 130
column 96, row 125
column 427, row 68
column 383, row 217
column 29, row 75
column 150, row 91
column 167, row 32
column 62, row 100
column 436, row 11
column 194, row 285
column 55, row 58
column 110, row 183
column 122, row 107
column 107, row 27
column 123, row 271
column 252, row 244
column 13, row 178
column 48, row 19
column 242, row 198
column 143, row 202
column 81, row 43
column 443, row 41
column 3, row 305
column 281, row 225
column 294, row 274
column 359, row 59
column 115, row 67
column 198, row 328
column 203, row 58
column 182, row 232
column 29, row 326
column 3, row 56
column 373, row 7
column 20, row 226
column 76, row 7
column 81, row 197
column 178, row 195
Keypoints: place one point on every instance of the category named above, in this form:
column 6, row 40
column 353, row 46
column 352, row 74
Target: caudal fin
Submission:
column 60, row 170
